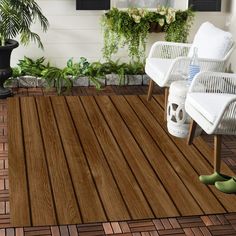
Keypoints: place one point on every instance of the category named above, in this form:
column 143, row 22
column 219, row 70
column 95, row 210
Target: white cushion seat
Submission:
column 158, row 66
column 210, row 105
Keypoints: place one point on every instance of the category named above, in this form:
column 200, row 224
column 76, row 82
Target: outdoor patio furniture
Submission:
column 211, row 102
column 168, row 61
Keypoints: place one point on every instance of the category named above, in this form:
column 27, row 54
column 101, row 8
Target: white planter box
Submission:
column 134, row 79
column 146, row 79
column 112, row 79
column 81, row 81
column 102, row 81
column 41, row 83
column 27, row 81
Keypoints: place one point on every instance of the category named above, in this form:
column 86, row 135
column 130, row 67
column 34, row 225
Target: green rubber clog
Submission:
column 228, row 186
column 211, row 179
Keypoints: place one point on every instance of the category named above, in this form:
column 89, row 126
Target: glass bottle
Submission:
column 194, row 67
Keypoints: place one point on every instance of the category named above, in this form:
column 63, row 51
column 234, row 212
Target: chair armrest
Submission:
column 169, row 50
column 180, row 67
column 226, row 123
column 214, row 82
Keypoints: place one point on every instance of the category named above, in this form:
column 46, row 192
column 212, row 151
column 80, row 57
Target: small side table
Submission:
column 178, row 120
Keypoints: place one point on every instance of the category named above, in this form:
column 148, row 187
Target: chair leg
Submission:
column 192, row 130
column 166, row 103
column 150, row 89
column 217, row 153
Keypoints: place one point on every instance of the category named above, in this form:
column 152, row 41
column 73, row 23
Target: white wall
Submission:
column 231, row 26
column 71, row 34
column 78, row 33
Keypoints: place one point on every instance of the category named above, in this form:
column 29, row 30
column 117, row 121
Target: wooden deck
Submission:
column 95, row 159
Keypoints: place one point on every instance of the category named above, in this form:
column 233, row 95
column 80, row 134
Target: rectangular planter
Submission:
column 134, row 79
column 146, row 79
column 27, row 81
column 41, row 83
column 112, row 79
column 81, row 81
column 101, row 80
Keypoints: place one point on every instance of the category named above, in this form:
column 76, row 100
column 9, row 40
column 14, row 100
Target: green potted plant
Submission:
column 81, row 68
column 115, row 72
column 134, row 73
column 30, row 71
column 96, row 74
column 58, row 78
column 16, row 18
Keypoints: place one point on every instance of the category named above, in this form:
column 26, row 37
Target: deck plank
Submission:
column 17, row 169
column 42, row 208
column 113, row 202
column 182, row 198
column 134, row 198
column 83, row 181
column 155, row 193
column 201, row 165
column 65, row 200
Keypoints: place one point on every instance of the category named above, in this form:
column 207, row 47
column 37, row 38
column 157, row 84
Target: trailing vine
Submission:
column 131, row 28
column 178, row 31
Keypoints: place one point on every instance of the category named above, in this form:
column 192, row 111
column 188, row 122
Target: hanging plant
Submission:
column 125, row 28
column 131, row 28
column 178, row 30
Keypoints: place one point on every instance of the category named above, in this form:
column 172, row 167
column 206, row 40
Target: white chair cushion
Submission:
column 210, row 105
column 158, row 66
column 211, row 42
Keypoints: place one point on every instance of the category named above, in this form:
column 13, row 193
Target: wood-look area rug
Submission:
column 107, row 158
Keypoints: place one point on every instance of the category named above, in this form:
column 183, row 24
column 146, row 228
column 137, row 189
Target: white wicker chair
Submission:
column 168, row 62
column 211, row 102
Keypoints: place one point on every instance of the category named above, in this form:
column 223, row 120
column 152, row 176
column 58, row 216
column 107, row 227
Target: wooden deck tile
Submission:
column 172, row 226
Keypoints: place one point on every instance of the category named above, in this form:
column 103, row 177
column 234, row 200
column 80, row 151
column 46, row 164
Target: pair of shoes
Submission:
column 212, row 179
column 228, row 186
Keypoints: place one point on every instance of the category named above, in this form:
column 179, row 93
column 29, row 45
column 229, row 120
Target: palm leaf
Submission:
column 17, row 17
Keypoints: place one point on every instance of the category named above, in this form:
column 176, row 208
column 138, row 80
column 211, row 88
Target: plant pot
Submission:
column 101, row 80
column 28, row 81
column 5, row 68
column 81, row 81
column 112, row 79
column 146, row 79
column 134, row 79
column 41, row 82
column 155, row 28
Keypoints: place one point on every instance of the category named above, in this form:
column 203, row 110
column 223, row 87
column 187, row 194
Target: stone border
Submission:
column 111, row 79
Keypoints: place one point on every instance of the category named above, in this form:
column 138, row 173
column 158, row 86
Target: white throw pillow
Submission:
column 211, row 42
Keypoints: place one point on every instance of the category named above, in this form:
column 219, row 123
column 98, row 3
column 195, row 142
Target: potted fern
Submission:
column 16, row 19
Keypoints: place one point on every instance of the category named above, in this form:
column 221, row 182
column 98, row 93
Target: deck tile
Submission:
column 220, row 224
